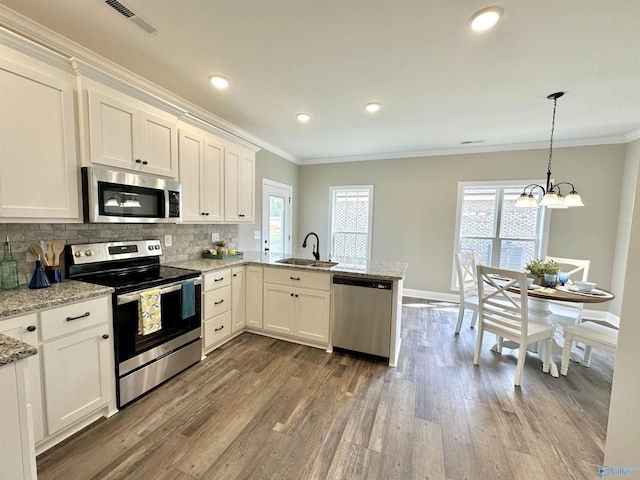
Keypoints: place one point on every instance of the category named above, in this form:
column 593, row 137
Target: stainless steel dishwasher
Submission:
column 362, row 315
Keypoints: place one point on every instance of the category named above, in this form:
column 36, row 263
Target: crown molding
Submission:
column 471, row 150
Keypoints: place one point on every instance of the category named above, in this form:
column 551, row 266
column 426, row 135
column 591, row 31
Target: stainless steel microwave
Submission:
column 110, row 196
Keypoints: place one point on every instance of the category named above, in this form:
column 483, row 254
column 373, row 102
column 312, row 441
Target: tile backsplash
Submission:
column 188, row 241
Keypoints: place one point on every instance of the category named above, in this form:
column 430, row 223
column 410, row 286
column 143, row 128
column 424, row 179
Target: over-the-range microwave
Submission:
column 110, row 195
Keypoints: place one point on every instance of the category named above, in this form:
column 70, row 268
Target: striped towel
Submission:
column 149, row 319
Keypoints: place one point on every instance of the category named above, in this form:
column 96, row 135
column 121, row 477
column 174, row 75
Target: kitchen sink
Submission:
column 305, row 262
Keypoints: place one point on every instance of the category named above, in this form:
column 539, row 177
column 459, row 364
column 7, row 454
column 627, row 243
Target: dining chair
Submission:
column 591, row 334
column 505, row 314
column 577, row 270
column 466, row 268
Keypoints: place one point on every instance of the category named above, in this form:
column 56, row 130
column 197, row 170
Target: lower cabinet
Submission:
column 216, row 308
column 72, row 377
column 297, row 303
column 253, row 292
column 238, row 299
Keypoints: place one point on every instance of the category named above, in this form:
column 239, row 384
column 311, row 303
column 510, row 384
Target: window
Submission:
column 495, row 230
column 351, row 212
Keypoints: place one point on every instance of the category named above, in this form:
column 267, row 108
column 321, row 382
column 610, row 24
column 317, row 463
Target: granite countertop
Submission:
column 25, row 300
column 371, row 269
column 12, row 350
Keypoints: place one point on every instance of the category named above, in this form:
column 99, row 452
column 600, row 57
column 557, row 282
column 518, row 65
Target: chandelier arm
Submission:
column 573, row 189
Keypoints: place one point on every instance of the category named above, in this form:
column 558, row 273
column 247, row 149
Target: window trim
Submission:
column 350, row 188
column 545, row 227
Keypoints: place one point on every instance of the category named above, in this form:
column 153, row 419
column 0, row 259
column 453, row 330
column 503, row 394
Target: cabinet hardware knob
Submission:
column 218, row 329
column 105, row 336
column 85, row 314
column 138, row 160
column 296, row 295
column 291, row 294
column 235, row 274
column 207, row 214
column 241, row 215
column 218, row 303
column 203, row 213
column 144, row 162
column 31, row 328
column 295, row 278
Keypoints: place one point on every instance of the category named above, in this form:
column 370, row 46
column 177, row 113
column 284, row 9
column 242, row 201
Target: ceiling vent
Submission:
column 130, row 15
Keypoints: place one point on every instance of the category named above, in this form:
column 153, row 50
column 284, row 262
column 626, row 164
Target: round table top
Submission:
column 564, row 295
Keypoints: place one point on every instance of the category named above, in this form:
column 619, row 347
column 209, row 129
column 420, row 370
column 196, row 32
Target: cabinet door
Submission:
column 246, row 187
column 24, row 328
column 38, row 165
column 76, row 376
column 158, row 146
column 278, row 308
column 312, row 309
column 254, row 294
column 239, row 185
column 212, row 185
column 238, row 295
column 191, row 175
column 113, row 131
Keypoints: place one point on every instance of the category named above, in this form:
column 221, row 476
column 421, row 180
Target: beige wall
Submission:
column 415, row 205
column 623, row 433
column 272, row 167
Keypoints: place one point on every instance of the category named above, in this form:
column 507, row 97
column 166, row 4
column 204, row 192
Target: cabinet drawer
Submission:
column 216, row 329
column 217, row 301
column 77, row 316
column 298, row 278
column 217, row 279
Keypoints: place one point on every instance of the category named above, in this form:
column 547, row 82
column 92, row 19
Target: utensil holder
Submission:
column 54, row 273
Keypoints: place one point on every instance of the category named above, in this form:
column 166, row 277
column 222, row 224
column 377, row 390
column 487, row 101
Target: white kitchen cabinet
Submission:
column 202, row 176
column 216, row 308
column 25, row 329
column 17, row 455
column 239, row 184
column 253, row 290
column 238, row 296
column 297, row 303
column 123, row 135
column 77, row 361
column 39, row 178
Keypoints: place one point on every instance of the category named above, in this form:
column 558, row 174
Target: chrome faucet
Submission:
column 316, row 247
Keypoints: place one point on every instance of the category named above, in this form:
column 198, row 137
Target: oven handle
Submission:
column 171, row 287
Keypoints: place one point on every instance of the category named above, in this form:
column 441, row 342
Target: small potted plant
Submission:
column 545, row 272
column 221, row 244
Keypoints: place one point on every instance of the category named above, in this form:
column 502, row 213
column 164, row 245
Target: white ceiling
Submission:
column 439, row 83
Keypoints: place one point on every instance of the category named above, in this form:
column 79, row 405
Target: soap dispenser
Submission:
column 8, row 269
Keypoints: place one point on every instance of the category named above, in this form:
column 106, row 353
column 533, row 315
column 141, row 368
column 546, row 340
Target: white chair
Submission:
column 506, row 315
column 577, row 270
column 592, row 335
column 466, row 268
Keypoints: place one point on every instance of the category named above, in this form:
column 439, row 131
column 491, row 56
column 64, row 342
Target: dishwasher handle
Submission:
column 360, row 282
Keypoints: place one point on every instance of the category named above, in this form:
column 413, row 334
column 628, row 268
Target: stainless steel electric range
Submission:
column 143, row 360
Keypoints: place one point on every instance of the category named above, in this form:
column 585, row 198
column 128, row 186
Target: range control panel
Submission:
column 107, row 251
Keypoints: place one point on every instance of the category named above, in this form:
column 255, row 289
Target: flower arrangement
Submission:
column 538, row 267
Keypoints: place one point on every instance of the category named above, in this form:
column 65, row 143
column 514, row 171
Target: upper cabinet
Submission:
column 202, row 176
column 39, row 178
column 123, row 135
column 239, row 184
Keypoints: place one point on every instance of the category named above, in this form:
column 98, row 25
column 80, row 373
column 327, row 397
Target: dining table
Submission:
column 541, row 300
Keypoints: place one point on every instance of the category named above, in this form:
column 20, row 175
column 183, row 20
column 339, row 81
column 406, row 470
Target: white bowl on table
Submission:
column 584, row 287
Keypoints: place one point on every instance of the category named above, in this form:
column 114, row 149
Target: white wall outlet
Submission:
column 256, row 234
column 168, row 241
column 215, row 237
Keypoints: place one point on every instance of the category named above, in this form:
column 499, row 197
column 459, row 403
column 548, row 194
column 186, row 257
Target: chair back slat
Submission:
column 466, row 268
column 576, row 265
column 497, row 304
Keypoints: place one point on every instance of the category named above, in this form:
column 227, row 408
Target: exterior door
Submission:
column 276, row 217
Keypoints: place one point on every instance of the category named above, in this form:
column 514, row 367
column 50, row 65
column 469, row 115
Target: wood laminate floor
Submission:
column 259, row 408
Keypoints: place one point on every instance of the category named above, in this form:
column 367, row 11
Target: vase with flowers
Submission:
column 545, row 273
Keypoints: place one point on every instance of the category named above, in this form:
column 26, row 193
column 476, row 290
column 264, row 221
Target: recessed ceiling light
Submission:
column 485, row 18
column 303, row 117
column 219, row 81
column 372, row 107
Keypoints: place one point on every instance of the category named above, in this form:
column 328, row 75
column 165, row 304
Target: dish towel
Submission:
column 188, row 299
column 149, row 318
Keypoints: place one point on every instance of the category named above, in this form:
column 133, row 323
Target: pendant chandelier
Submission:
column 552, row 196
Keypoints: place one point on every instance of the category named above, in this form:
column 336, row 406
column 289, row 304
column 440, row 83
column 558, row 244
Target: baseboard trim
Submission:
column 587, row 314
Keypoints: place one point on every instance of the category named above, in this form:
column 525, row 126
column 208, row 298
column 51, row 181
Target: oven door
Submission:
column 133, row 349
